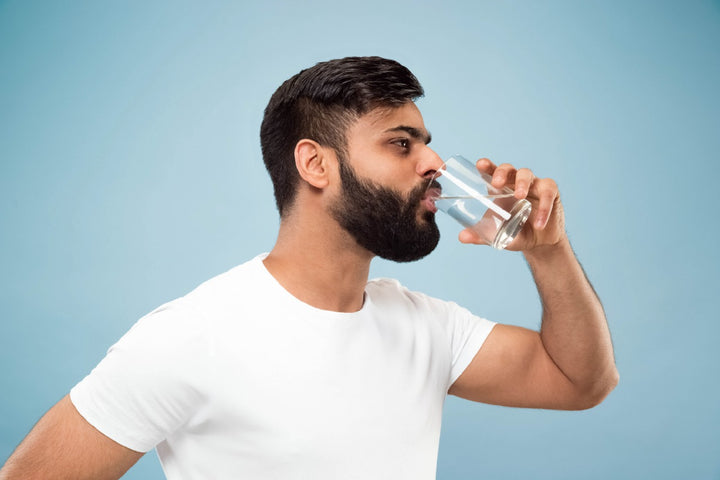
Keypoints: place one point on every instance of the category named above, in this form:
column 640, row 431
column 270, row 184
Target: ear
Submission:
column 311, row 161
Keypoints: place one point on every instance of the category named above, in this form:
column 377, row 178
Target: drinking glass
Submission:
column 459, row 189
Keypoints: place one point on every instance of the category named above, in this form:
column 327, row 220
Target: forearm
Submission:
column 574, row 330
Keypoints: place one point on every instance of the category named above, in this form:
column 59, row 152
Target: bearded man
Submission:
column 293, row 365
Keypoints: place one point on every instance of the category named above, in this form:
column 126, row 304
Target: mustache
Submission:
column 418, row 192
column 431, row 184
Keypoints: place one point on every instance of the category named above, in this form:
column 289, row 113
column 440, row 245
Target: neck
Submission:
column 320, row 264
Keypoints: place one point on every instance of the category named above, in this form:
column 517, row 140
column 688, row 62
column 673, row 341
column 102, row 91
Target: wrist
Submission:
column 544, row 253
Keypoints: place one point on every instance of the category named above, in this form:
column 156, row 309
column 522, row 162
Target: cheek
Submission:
column 399, row 174
column 382, row 167
column 376, row 168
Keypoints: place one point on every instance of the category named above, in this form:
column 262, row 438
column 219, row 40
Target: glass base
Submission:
column 510, row 229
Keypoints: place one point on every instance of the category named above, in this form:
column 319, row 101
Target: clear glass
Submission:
column 466, row 194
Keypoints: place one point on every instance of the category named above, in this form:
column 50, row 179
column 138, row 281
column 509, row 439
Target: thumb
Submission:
column 470, row 236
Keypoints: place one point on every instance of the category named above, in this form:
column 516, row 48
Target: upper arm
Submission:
column 64, row 445
column 513, row 369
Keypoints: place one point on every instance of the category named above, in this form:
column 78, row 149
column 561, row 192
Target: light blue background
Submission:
column 131, row 172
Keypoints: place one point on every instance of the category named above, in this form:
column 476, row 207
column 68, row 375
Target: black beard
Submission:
column 382, row 221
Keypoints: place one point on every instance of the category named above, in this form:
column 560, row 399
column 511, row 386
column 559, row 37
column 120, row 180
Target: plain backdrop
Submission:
column 130, row 172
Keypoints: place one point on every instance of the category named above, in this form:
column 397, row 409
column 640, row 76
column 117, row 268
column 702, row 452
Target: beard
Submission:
column 382, row 221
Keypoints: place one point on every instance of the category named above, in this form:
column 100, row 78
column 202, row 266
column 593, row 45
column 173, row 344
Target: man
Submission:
column 293, row 365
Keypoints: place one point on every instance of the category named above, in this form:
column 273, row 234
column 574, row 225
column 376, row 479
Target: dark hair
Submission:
column 319, row 104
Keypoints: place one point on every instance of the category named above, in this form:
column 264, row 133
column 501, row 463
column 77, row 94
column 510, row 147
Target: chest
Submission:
column 295, row 387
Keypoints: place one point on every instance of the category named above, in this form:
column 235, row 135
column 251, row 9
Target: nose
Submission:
column 429, row 163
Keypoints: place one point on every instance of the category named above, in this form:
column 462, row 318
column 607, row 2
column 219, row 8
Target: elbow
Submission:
column 595, row 393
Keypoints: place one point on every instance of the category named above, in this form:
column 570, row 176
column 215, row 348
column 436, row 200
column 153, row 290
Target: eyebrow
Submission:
column 413, row 132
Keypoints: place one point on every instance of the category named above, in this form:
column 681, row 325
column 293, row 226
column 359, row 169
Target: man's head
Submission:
column 321, row 103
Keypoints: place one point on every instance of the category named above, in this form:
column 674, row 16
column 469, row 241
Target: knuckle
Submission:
column 547, row 185
column 525, row 171
column 484, row 163
column 525, row 175
column 550, row 183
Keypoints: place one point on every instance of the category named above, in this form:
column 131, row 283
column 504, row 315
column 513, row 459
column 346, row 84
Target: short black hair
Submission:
column 319, row 104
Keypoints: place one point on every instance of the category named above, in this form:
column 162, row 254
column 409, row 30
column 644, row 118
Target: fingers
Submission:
column 485, row 166
column 507, row 175
column 470, row 236
column 543, row 191
column 546, row 191
column 524, row 178
column 503, row 175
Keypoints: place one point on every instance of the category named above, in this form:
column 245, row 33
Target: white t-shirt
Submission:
column 239, row 379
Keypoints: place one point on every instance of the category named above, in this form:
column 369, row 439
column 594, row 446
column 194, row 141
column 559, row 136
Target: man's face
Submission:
column 386, row 209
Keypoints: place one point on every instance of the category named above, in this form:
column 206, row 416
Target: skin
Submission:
column 567, row 365
column 64, row 446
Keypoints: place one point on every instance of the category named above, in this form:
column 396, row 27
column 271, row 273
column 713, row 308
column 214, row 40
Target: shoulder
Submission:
column 170, row 331
column 388, row 291
column 232, row 282
column 186, row 320
column 191, row 321
column 230, row 292
column 388, row 294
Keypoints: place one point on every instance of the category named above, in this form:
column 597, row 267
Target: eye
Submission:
column 403, row 143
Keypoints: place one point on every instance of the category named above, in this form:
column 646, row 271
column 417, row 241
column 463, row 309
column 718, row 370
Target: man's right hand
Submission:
column 63, row 445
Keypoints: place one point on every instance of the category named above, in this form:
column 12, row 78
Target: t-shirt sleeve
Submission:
column 150, row 381
column 467, row 333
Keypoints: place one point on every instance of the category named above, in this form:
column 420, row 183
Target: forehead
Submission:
column 384, row 120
